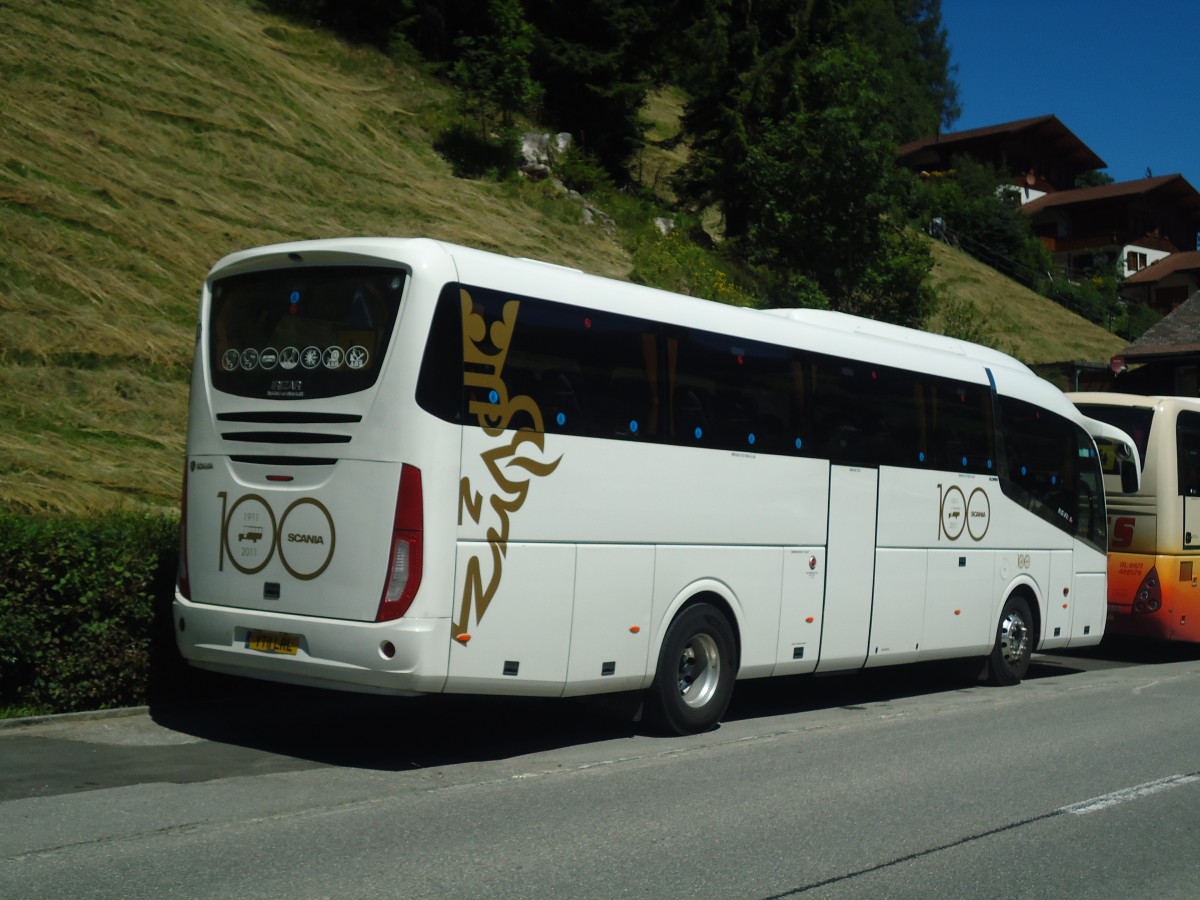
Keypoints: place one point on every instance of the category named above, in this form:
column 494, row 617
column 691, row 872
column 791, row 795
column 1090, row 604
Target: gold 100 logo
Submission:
column 959, row 513
column 304, row 536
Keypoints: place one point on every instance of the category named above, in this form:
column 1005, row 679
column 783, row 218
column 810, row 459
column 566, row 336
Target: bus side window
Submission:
column 563, row 402
column 729, row 393
column 838, row 411
column 902, row 402
column 1187, row 435
column 865, row 413
column 440, row 384
column 797, row 385
column 596, row 371
column 1051, row 469
column 960, row 427
column 619, row 360
column 1091, row 524
column 628, row 408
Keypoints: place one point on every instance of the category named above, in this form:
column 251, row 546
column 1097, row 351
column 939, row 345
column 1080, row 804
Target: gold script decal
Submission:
column 510, row 465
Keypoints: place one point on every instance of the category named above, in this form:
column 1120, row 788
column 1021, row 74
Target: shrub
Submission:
column 1094, row 296
column 1138, row 320
column 85, row 610
column 472, row 155
column 677, row 264
column 582, row 172
column 960, row 319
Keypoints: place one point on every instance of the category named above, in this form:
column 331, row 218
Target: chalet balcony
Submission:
column 1054, row 244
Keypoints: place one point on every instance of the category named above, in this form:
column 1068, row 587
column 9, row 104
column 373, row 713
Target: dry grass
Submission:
column 663, row 153
column 86, row 439
column 141, row 141
column 1021, row 322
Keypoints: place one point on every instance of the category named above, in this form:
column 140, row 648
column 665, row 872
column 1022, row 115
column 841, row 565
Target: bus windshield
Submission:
column 1135, row 421
column 302, row 334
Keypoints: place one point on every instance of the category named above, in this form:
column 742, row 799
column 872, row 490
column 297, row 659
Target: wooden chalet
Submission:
column 1041, row 155
column 1167, row 284
column 1136, row 222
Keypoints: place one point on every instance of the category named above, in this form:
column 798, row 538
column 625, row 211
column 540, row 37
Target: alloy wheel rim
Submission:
column 699, row 670
column 1014, row 638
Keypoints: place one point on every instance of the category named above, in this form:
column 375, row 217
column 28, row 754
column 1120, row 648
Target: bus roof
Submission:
column 840, row 321
column 1146, row 401
column 839, row 333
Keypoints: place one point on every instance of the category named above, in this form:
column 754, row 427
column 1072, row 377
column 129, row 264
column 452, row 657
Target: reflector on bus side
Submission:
column 405, row 560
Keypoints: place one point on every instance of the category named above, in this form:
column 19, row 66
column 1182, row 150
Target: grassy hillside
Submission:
column 141, row 141
column 1014, row 318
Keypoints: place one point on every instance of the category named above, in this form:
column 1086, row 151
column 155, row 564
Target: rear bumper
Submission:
column 332, row 653
column 1178, row 617
column 1166, row 624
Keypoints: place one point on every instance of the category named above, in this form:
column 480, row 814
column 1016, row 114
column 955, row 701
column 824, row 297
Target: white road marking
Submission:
column 1126, row 794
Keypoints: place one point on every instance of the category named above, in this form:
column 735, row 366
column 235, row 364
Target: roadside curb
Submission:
column 25, row 721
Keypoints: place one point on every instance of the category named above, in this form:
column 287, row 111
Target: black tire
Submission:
column 1014, row 644
column 696, row 668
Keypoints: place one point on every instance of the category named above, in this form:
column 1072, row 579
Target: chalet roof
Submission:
column 1175, row 185
column 1177, row 334
column 1154, row 241
column 1047, row 130
column 1187, row 261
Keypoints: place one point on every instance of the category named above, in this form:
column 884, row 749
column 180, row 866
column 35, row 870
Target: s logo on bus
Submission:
column 1121, row 532
column 958, row 513
column 304, row 536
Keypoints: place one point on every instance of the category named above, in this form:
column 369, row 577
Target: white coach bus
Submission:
column 415, row 468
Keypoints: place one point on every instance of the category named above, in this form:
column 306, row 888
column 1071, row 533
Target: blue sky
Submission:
column 1123, row 76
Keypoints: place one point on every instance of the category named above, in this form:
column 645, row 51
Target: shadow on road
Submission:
column 393, row 733
column 225, row 727
column 1117, row 650
column 390, row 733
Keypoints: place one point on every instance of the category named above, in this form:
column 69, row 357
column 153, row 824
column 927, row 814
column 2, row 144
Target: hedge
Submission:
column 85, row 617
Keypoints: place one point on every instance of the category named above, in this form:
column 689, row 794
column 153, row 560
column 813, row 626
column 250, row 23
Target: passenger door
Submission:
column 850, row 568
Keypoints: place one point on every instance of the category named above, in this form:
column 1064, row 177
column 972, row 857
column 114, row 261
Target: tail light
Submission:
column 1148, row 598
column 404, row 562
column 182, row 583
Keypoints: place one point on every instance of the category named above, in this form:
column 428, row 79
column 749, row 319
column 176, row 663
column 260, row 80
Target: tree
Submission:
column 494, row 69
column 739, row 64
column 596, row 59
column 1093, row 178
column 983, row 215
column 913, row 55
column 742, row 66
column 825, row 194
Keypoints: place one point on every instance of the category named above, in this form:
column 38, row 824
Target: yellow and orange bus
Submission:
column 1154, row 533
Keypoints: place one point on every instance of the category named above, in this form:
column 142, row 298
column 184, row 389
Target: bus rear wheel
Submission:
column 1014, row 644
column 696, row 667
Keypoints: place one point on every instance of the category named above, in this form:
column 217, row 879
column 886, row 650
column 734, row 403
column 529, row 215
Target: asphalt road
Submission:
column 1082, row 782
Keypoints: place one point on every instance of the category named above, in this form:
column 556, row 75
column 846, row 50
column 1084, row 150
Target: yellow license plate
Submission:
column 273, row 642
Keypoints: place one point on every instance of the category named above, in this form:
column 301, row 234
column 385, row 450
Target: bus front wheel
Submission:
column 1014, row 644
column 696, row 667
